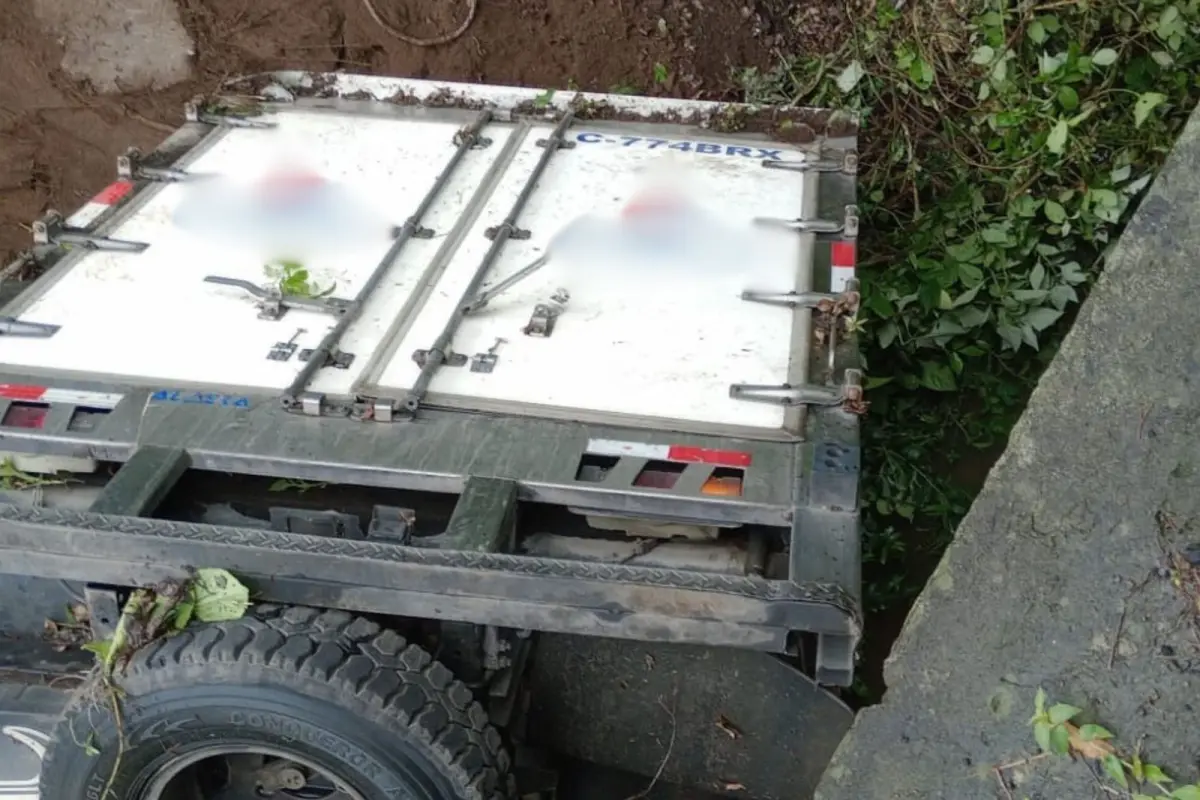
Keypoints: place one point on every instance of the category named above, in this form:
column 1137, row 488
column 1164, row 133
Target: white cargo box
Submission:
column 632, row 343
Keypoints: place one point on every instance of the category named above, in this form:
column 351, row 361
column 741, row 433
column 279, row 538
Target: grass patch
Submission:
column 1003, row 147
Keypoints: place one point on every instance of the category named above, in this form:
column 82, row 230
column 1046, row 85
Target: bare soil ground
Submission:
column 59, row 138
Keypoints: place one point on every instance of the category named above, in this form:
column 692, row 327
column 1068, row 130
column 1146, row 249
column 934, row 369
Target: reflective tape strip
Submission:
column 47, row 394
column 103, row 201
column 669, row 452
column 842, row 258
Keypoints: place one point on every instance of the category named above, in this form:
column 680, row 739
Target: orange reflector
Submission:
column 723, row 487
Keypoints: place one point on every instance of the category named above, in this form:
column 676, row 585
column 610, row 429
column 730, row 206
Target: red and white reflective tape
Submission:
column 48, row 395
column 842, row 257
column 106, row 199
column 668, row 452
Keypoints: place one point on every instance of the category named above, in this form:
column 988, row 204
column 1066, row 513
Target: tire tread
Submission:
column 356, row 658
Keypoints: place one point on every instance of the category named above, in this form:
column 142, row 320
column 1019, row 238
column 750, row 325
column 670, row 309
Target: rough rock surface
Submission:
column 1057, row 576
column 120, row 45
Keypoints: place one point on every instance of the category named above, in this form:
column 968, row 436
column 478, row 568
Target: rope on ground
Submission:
column 431, row 42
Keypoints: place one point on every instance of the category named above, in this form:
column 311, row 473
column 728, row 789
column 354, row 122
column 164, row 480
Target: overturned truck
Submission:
column 523, row 456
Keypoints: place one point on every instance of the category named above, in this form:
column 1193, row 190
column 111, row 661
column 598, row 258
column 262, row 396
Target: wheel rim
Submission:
column 243, row 772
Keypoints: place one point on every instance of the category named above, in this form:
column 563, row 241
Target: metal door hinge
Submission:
column 514, row 232
column 847, row 164
column 448, row 359
column 273, row 303
column 51, row 229
column 845, row 302
column 130, row 168
column 849, row 394
column 336, row 359
column 847, row 226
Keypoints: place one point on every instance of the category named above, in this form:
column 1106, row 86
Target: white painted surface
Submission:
column 618, row 449
column 637, row 337
column 150, row 316
column 839, row 277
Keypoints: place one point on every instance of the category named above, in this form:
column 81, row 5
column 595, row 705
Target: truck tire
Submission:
column 323, row 690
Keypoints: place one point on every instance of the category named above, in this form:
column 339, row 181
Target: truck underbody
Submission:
column 554, row 483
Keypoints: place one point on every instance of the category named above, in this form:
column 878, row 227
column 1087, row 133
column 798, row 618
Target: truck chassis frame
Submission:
column 804, row 487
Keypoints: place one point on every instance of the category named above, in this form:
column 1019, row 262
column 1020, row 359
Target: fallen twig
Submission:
column 666, row 756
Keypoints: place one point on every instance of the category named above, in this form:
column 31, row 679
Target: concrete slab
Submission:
column 1055, row 577
column 120, row 45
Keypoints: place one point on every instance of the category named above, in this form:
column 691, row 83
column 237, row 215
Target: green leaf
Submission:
column 970, row 274
column 102, row 648
column 1072, row 273
column 971, row 316
column 1037, row 32
column 218, row 596
column 1059, row 712
column 850, row 77
column 966, row 297
column 1030, row 295
column 1010, row 335
column 983, row 55
column 1191, row 792
column 1055, row 212
column 1062, row 296
column 1116, row 770
column 1092, row 732
column 1039, row 701
column 1146, row 103
column 1154, row 773
column 1037, row 276
column 1041, row 734
column 937, row 376
column 1104, row 57
column 1056, row 142
column 1106, row 198
column 1039, row 319
column 1060, row 740
column 184, row 612
column 1068, row 98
